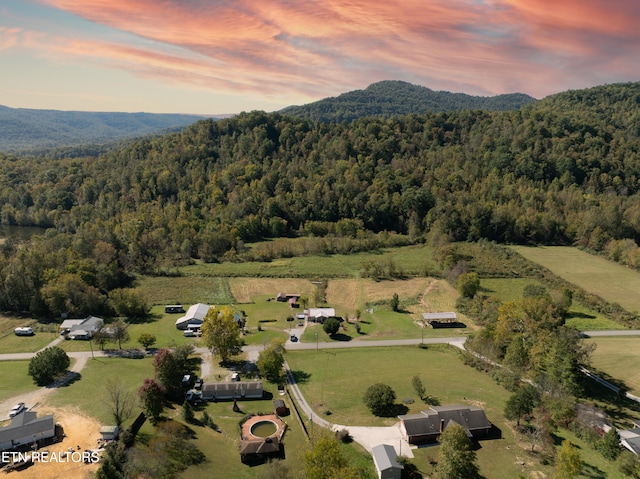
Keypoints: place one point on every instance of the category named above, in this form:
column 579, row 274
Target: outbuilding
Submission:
column 384, row 458
column 194, row 316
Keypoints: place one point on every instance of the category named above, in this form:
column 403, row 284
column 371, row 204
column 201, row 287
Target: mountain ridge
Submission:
column 395, row 97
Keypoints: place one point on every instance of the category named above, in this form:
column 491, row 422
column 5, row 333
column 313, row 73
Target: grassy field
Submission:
column 411, row 260
column 580, row 316
column 613, row 282
column 618, row 358
column 336, row 380
column 185, row 290
column 15, row 379
column 10, row 343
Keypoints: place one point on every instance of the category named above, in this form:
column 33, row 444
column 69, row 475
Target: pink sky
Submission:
column 225, row 56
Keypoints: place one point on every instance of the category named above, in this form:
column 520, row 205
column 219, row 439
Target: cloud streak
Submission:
column 286, row 48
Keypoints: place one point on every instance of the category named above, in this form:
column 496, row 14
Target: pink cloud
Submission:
column 320, row 48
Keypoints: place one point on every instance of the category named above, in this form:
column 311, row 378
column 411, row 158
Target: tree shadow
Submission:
column 301, row 376
column 395, row 410
column 341, row 337
column 578, row 314
column 593, row 472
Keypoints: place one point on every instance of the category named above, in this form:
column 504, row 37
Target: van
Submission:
column 23, row 331
column 189, row 333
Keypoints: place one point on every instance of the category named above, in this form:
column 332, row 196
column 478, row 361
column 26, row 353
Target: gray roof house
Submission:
column 26, row 428
column 427, row 426
column 630, row 439
column 384, row 458
column 232, row 390
column 82, row 328
column 194, row 315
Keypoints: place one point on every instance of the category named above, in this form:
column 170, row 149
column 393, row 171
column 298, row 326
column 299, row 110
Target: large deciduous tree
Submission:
column 568, row 462
column 168, row 373
column 522, row 403
column 151, row 395
column 325, row 460
column 221, row 333
column 48, row 364
column 456, row 459
column 271, row 360
column 379, row 398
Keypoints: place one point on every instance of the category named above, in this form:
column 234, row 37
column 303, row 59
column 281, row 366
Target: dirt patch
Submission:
column 79, row 431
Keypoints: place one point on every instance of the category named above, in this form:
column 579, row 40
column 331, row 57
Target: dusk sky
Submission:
column 226, row 56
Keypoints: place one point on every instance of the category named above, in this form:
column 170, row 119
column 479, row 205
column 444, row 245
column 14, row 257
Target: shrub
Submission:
column 48, row 364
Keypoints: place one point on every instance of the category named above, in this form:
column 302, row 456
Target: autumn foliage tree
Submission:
column 151, row 395
column 221, row 334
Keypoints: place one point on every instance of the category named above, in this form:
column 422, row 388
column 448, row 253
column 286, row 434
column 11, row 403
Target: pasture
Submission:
column 611, row 281
column 618, row 358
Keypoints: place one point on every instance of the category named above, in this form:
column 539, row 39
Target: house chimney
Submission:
column 441, row 425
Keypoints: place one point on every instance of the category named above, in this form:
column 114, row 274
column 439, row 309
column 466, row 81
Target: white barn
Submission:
column 195, row 315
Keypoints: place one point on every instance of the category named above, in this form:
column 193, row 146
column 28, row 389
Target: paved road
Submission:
column 611, row 332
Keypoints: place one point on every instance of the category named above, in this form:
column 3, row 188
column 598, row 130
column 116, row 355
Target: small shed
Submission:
column 109, row 433
column 280, row 407
column 384, row 458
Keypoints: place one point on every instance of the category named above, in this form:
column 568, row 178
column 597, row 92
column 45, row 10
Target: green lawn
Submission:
column 336, row 381
column 10, row 343
column 611, row 281
column 89, row 392
column 619, row 358
column 15, row 379
column 412, row 260
column 185, row 290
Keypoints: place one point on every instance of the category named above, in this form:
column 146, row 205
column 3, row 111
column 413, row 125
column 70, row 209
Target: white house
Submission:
column 384, row 458
column 319, row 315
column 195, row 315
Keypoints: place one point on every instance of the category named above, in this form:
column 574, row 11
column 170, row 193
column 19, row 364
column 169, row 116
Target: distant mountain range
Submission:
column 77, row 133
column 401, row 98
column 25, row 129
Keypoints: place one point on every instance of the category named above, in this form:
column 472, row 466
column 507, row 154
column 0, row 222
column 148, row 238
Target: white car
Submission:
column 17, row 409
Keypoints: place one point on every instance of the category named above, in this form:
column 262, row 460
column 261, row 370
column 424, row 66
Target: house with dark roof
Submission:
column 25, row 429
column 384, row 458
column 232, row 390
column 194, row 316
column 427, row 426
column 630, row 439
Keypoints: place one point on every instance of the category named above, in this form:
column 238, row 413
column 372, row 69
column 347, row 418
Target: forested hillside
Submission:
column 564, row 170
column 392, row 98
column 24, row 129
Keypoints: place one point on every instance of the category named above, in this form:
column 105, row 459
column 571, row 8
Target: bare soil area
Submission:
column 81, row 433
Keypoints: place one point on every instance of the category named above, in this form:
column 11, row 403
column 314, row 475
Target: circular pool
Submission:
column 264, row 429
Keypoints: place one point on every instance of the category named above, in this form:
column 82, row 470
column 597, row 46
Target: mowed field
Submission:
column 619, row 358
column 613, row 282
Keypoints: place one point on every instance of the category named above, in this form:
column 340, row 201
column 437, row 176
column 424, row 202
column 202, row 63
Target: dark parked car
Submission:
column 294, row 338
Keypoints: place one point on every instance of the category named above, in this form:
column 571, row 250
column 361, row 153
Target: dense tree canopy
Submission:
column 560, row 171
